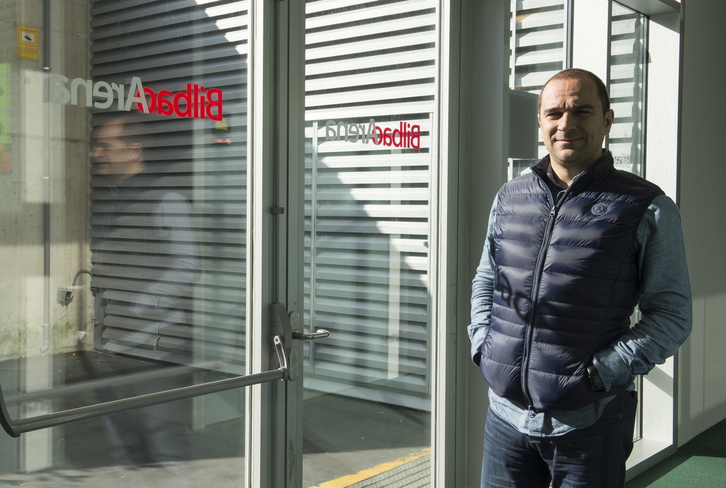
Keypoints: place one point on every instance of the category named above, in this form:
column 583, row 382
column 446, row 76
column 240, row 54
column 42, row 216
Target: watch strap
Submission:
column 595, row 379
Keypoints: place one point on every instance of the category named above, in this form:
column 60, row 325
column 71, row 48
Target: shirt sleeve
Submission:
column 665, row 305
column 482, row 292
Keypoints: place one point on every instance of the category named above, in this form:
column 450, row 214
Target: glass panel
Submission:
column 628, row 44
column 537, row 52
column 371, row 90
column 123, row 167
column 628, row 51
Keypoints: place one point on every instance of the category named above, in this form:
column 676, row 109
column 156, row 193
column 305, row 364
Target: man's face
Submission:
column 111, row 155
column 572, row 122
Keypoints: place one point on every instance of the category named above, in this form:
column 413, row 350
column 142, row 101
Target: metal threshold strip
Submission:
column 17, row 427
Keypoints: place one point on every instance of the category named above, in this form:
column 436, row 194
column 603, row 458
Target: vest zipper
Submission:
column 538, row 270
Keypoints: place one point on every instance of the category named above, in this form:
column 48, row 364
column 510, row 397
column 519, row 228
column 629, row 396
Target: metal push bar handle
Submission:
column 17, row 427
column 110, row 382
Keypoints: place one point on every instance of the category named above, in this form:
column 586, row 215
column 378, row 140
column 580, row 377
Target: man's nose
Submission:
column 565, row 122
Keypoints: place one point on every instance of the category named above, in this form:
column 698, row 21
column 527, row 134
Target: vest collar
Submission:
column 602, row 167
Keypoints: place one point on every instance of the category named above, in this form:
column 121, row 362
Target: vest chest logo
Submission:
column 599, row 209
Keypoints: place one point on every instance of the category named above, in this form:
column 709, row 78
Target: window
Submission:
column 545, row 40
column 370, row 94
column 625, row 48
column 626, row 84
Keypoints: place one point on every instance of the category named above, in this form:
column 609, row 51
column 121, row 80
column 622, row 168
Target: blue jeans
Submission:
column 593, row 457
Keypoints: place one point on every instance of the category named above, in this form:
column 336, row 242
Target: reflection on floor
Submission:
column 347, row 442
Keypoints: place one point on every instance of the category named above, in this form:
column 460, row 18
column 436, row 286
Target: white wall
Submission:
column 702, row 362
column 483, row 133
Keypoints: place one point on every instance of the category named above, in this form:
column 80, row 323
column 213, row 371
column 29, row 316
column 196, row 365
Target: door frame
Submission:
column 276, row 206
column 277, row 141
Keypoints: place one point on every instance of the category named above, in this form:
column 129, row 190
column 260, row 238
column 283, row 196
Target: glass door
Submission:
column 170, row 170
column 371, row 84
column 134, row 169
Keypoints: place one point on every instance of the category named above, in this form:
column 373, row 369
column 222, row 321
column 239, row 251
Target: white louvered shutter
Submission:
column 539, row 50
column 538, row 46
column 627, row 88
column 198, row 165
column 368, row 205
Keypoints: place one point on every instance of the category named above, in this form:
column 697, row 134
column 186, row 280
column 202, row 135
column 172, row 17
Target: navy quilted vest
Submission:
column 566, row 282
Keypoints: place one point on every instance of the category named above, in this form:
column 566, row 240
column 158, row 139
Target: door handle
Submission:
column 287, row 326
column 301, row 336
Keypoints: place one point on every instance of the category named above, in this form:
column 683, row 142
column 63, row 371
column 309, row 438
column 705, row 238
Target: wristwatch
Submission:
column 595, row 380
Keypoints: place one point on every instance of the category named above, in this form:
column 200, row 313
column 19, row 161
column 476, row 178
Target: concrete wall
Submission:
column 702, row 382
column 49, row 163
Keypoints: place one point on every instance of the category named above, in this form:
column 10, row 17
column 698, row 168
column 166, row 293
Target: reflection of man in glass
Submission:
column 144, row 268
column 144, row 251
column 116, row 152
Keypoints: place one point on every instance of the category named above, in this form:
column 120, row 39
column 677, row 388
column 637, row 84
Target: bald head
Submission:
column 581, row 74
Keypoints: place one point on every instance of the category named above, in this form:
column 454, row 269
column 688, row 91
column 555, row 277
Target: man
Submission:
column 572, row 247
column 145, row 266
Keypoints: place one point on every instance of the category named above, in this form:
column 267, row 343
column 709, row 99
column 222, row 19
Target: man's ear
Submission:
column 137, row 150
column 609, row 117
